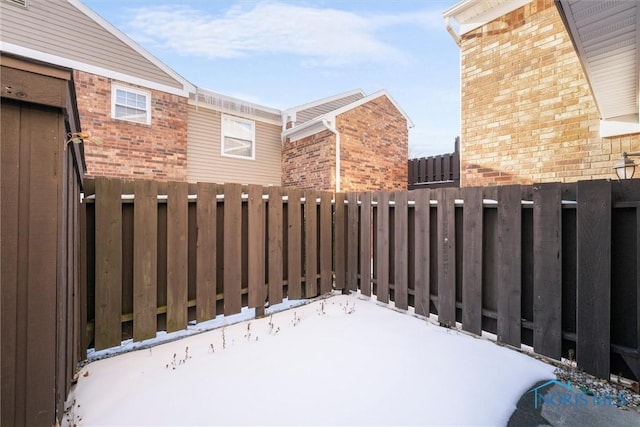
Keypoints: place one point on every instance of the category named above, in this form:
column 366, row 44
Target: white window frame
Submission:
column 223, row 132
column 147, row 94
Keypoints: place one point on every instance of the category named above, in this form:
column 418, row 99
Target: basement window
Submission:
column 238, row 137
column 133, row 105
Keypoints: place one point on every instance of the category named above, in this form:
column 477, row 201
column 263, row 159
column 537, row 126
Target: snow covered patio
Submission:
column 345, row 360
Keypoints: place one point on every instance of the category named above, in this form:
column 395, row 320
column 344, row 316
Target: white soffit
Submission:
column 472, row 14
column 607, row 38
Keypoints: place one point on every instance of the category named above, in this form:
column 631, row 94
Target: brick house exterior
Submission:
column 146, row 121
column 528, row 111
column 128, row 149
column 372, row 136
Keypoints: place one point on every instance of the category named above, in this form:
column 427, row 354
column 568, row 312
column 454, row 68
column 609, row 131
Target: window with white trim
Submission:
column 130, row 104
column 238, row 137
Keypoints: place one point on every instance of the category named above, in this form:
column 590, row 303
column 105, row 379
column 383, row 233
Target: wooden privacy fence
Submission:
column 438, row 171
column 160, row 255
column 552, row 266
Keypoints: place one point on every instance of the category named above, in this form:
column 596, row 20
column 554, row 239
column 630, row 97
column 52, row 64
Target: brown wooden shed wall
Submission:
column 39, row 224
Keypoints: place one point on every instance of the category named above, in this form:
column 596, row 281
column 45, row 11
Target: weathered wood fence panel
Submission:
column 533, row 265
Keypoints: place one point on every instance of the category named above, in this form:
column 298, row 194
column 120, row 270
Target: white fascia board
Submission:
column 472, row 14
column 324, row 101
column 233, row 112
column 88, row 68
column 304, row 130
column 187, row 86
column 611, row 128
column 332, row 115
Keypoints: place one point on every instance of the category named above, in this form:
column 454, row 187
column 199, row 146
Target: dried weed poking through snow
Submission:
column 344, row 360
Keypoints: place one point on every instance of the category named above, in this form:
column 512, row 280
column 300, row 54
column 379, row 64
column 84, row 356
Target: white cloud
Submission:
column 327, row 37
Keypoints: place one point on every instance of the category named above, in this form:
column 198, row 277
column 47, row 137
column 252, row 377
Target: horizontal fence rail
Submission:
column 551, row 266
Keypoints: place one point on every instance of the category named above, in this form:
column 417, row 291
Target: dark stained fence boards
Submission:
column 396, row 234
column 256, row 252
column 594, row 276
column 509, row 267
column 422, row 251
column 326, row 242
column 401, row 250
column 446, row 257
column 311, row 244
column 177, row 255
column 232, row 268
column 547, row 270
column 108, row 260
column 294, row 248
column 472, row 260
column 145, row 258
column 275, row 255
column 206, row 251
column 381, row 260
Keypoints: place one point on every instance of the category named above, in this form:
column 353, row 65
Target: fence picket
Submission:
column 401, row 250
column 255, row 250
column 275, row 245
column 311, row 244
column 294, row 248
column 145, row 258
column 381, row 261
column 177, row 255
column 108, row 238
column 472, row 260
column 509, row 264
column 339, row 236
column 232, row 258
column 421, row 253
column 352, row 242
column 365, row 243
column 206, row 251
column 594, row 277
column 446, row 257
column 547, row 270
column 326, row 242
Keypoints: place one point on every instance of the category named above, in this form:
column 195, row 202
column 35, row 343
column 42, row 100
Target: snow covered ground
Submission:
column 344, row 360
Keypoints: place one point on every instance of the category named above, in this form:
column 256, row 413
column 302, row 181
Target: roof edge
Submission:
column 187, row 85
column 366, row 99
column 324, row 100
column 472, row 14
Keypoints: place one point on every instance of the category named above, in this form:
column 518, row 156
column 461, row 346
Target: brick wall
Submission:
column 132, row 150
column 373, row 152
column 309, row 163
column 527, row 110
column 373, row 147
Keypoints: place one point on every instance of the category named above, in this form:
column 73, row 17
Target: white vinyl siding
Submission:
column 205, row 163
column 133, row 105
column 238, row 137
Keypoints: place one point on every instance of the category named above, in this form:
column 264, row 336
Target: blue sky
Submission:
column 285, row 53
